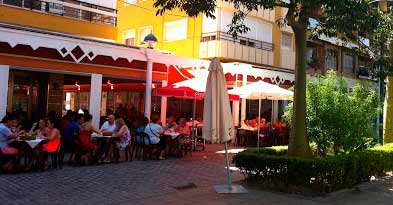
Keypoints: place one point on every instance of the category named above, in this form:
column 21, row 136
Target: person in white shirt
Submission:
column 109, row 126
column 154, row 131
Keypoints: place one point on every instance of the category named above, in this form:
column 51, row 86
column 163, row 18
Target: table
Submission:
column 96, row 135
column 173, row 135
column 33, row 143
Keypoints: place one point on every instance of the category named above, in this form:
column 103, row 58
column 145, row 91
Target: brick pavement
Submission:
column 154, row 182
column 115, row 183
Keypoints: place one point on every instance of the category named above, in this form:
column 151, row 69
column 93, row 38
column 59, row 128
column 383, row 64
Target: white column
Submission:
column 275, row 110
column 95, row 98
column 235, row 112
column 244, row 102
column 4, row 75
column 163, row 104
column 149, row 80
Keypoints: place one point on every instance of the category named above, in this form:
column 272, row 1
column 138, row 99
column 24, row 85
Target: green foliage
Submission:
column 321, row 175
column 275, row 150
column 339, row 121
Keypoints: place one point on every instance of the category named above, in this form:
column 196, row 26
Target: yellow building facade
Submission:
column 74, row 17
column 206, row 38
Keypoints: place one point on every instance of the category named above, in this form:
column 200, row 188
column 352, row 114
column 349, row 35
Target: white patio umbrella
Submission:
column 261, row 90
column 218, row 122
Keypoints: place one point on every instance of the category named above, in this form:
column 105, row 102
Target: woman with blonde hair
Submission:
column 123, row 132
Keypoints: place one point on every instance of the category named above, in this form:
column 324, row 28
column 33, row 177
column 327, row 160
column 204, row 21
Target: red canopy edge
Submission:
column 185, row 92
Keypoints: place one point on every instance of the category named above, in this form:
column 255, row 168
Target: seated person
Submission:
column 140, row 124
column 154, row 131
column 72, row 131
column 263, row 122
column 123, row 132
column 170, row 124
column 41, row 131
column 53, row 138
column 182, row 128
column 108, row 128
column 6, row 134
column 85, row 132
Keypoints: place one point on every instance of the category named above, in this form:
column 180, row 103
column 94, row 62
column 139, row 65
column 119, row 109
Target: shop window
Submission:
column 175, row 30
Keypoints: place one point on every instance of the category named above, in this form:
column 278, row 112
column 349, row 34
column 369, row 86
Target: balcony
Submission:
column 223, row 45
column 71, row 9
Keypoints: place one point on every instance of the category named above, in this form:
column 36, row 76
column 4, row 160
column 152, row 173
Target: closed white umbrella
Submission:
column 217, row 118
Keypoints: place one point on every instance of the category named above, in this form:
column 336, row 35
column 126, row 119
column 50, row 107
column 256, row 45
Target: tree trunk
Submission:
column 298, row 141
column 388, row 113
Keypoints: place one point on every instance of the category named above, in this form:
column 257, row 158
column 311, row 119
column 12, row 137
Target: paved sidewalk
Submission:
column 174, row 181
column 373, row 193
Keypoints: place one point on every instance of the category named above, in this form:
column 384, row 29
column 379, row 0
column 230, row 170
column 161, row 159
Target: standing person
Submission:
column 154, row 131
column 72, row 131
column 109, row 126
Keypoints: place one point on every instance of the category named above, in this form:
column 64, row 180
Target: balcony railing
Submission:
column 221, row 36
column 72, row 9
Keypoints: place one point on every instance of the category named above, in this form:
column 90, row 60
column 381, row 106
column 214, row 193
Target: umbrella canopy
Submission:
column 190, row 89
column 262, row 90
column 217, row 117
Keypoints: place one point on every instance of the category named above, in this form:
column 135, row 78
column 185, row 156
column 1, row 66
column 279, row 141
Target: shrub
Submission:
column 319, row 175
column 339, row 121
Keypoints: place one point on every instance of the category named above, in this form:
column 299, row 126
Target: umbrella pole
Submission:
column 228, row 170
column 259, row 121
column 193, row 130
column 271, row 114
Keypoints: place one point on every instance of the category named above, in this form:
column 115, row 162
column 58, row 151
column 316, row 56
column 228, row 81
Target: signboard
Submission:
column 56, row 8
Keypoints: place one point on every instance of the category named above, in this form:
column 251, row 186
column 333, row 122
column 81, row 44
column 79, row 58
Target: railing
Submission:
column 72, row 9
column 221, row 36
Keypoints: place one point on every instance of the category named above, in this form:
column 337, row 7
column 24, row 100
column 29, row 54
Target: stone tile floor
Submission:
column 156, row 182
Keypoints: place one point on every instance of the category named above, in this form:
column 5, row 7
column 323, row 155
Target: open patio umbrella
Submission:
column 261, row 90
column 189, row 89
column 218, row 121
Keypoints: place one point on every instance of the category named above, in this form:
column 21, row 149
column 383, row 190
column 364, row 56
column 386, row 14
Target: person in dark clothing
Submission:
column 72, row 130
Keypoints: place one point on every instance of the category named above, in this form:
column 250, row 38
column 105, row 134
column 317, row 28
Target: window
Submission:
column 309, row 56
column 143, row 32
column 286, row 41
column 175, row 30
column 129, row 37
column 331, row 59
column 349, row 63
column 128, row 2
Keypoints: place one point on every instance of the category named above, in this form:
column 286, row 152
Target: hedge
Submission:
column 273, row 168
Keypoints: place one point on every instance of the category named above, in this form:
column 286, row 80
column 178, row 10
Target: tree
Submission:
column 344, row 17
column 339, row 121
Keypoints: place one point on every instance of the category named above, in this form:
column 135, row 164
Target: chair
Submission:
column 56, row 158
column 142, row 148
column 127, row 153
column 186, row 145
